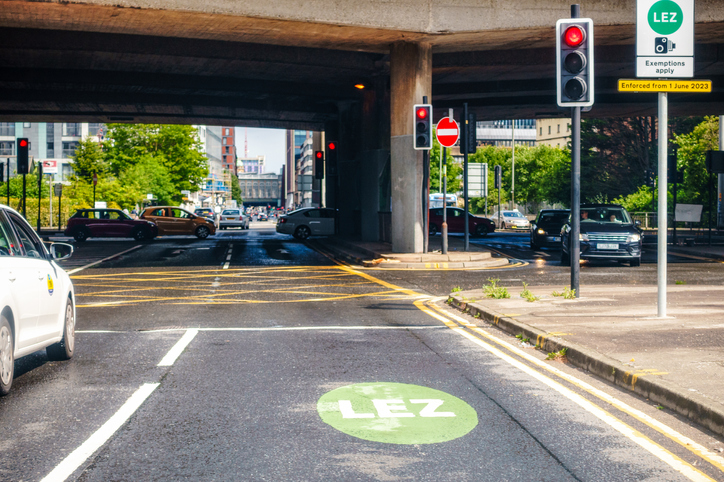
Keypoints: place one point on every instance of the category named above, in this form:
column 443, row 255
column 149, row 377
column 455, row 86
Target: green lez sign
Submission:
column 665, row 17
column 396, row 413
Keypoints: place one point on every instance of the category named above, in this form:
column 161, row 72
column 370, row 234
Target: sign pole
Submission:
column 444, row 201
column 8, row 186
column 662, row 219
column 24, row 192
column 466, row 128
column 425, row 195
column 40, row 191
column 60, row 207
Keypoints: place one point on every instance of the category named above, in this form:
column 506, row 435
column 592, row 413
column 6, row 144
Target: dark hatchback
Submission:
column 545, row 231
column 477, row 225
column 114, row 223
column 607, row 233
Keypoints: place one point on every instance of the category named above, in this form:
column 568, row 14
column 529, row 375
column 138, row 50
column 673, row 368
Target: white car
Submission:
column 37, row 300
column 233, row 218
column 511, row 220
column 306, row 222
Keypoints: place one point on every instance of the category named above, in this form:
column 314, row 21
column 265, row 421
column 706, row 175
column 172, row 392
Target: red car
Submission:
column 477, row 225
column 109, row 223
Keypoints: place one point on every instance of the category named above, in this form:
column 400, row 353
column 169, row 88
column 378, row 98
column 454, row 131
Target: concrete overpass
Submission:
column 292, row 65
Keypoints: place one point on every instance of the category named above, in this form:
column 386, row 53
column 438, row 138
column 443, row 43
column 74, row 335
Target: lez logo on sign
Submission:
column 50, row 285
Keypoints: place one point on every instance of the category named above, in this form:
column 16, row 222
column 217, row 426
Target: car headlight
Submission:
column 633, row 238
column 583, row 237
column 541, row 231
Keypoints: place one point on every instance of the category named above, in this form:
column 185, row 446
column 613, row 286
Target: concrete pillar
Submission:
column 374, row 161
column 410, row 79
column 348, row 198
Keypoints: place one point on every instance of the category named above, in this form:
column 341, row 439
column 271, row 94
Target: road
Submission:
column 250, row 356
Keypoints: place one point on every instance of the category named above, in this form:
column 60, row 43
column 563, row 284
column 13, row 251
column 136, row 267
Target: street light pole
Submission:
column 512, row 172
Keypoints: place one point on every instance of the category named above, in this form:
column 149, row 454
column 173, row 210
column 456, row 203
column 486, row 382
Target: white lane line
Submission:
column 226, row 265
column 104, row 259
column 69, row 465
column 228, row 257
column 279, row 328
column 178, row 348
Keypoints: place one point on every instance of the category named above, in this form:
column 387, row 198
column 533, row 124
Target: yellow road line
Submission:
column 665, row 430
column 655, row 449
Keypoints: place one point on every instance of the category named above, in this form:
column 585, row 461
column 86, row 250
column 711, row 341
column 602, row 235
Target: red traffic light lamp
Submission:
column 574, row 36
column 422, row 113
column 319, row 155
column 331, row 146
column 23, row 143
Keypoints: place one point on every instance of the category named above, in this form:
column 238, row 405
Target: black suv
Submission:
column 546, row 229
column 607, row 232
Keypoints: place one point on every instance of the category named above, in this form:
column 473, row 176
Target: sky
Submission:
column 270, row 143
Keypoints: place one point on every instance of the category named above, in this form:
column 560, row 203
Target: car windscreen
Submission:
column 606, row 215
column 512, row 214
column 230, row 212
column 553, row 218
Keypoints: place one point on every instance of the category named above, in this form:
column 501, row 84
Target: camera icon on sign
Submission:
column 663, row 45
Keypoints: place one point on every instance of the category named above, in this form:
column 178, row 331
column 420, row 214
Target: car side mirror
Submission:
column 61, row 251
column 637, row 223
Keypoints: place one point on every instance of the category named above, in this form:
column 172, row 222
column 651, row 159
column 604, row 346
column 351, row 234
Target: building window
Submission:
column 50, row 149
column 7, row 129
column 7, row 148
column 541, row 131
column 549, row 130
column 69, row 149
column 73, row 130
column 26, row 124
column 569, row 128
column 94, row 127
column 559, row 128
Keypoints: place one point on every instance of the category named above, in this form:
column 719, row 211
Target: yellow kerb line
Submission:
column 665, row 430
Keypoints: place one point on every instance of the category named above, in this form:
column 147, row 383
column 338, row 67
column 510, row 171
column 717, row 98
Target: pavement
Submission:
column 610, row 331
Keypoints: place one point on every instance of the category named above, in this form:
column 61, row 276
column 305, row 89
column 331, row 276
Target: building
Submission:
column 48, row 141
column 228, row 149
column 217, row 189
column 553, row 132
column 300, row 151
column 263, row 190
column 500, row 132
column 250, row 165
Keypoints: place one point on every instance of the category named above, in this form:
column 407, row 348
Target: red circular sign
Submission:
column 447, row 132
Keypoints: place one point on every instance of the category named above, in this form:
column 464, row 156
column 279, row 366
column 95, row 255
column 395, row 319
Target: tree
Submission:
column 88, row 159
column 176, row 148
column 692, row 159
column 236, row 190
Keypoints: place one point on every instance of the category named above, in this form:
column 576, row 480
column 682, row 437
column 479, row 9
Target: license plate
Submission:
column 607, row 246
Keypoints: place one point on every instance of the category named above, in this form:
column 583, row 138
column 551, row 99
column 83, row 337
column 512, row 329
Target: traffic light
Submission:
column 469, row 135
column 574, row 62
column 22, row 156
column 422, row 120
column 498, row 177
column 650, row 177
column 318, row 164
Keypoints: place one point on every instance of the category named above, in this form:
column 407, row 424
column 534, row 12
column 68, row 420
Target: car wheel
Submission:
column 81, row 235
column 565, row 258
column 7, row 356
column 302, row 232
column 63, row 350
column 481, row 230
column 635, row 262
column 433, row 229
column 533, row 245
column 202, row 232
column 141, row 234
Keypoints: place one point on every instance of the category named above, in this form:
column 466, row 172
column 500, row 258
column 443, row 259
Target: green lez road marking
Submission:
column 665, row 17
column 396, row 413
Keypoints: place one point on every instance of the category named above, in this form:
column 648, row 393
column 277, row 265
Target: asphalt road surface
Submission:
column 250, row 356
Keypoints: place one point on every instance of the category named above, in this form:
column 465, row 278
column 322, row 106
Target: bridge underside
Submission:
column 72, row 62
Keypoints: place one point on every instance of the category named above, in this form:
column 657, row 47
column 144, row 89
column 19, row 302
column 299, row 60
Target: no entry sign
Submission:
column 447, row 132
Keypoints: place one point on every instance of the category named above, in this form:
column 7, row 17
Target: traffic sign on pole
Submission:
column 665, row 38
column 448, row 132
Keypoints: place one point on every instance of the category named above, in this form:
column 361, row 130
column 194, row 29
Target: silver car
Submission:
column 511, row 220
column 233, row 218
column 306, row 222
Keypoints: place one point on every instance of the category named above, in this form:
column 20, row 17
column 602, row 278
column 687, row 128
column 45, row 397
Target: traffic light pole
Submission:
column 24, row 197
column 444, row 201
column 575, row 235
column 425, row 195
column 40, row 191
column 464, row 145
column 662, row 214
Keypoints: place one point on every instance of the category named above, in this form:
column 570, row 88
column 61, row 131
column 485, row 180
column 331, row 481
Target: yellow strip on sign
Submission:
column 650, row 85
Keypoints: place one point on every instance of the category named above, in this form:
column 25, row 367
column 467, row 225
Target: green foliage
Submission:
column 236, row 190
column 567, row 293
column 88, row 159
column 492, row 290
column 457, row 289
column 557, row 355
column 639, row 201
column 691, row 158
column 528, row 294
